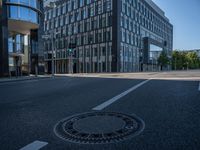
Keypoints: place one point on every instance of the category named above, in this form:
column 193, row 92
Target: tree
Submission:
column 163, row 59
column 192, row 60
column 185, row 60
column 175, row 56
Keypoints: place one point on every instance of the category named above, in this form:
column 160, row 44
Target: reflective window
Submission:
column 13, row 1
column 32, row 3
column 33, row 16
column 23, row 13
column 16, row 43
column 25, row 2
column 13, row 12
column 155, row 52
column 10, row 45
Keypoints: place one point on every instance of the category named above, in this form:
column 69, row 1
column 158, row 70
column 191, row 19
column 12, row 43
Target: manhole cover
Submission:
column 99, row 127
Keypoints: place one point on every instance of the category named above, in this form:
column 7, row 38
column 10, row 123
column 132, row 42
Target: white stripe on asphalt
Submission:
column 36, row 145
column 114, row 99
column 199, row 86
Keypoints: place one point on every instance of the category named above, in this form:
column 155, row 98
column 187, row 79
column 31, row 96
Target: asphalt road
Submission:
column 168, row 103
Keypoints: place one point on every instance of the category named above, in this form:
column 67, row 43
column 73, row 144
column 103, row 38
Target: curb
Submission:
column 22, row 79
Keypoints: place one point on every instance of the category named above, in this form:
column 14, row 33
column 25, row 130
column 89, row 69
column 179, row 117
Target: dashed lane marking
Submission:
column 199, row 87
column 114, row 99
column 36, row 145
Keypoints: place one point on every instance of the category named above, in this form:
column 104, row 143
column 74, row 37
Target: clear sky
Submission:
column 185, row 17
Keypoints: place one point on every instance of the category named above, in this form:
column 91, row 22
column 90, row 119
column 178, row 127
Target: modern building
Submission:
column 46, row 2
column 107, row 36
column 20, row 52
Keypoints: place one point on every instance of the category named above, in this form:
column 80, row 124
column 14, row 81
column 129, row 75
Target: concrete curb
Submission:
column 22, row 79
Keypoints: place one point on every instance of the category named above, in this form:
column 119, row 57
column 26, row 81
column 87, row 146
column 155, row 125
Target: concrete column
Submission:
column 4, row 67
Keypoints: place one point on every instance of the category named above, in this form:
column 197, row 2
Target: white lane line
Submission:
column 36, row 145
column 114, row 99
column 199, row 86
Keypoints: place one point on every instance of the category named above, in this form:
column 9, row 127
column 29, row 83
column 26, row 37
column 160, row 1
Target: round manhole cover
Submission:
column 99, row 127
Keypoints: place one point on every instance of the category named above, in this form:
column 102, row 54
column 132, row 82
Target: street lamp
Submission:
column 47, row 36
column 52, row 5
column 141, row 60
column 53, row 52
column 71, row 53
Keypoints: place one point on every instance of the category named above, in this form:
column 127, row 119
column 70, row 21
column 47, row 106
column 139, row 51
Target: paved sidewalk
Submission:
column 22, row 78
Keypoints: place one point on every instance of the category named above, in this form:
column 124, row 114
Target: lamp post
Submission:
column 71, row 53
column 141, row 60
column 70, row 61
column 52, row 5
column 52, row 55
column 53, row 51
column 175, row 64
column 47, row 36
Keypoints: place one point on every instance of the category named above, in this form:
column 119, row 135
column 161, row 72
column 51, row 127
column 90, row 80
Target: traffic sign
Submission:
column 46, row 36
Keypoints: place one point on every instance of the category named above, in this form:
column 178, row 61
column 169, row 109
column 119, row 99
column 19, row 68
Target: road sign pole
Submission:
column 52, row 56
column 71, row 63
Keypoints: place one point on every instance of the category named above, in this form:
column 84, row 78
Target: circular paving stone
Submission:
column 99, row 127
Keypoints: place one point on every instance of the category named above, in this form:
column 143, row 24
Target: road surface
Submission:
column 167, row 102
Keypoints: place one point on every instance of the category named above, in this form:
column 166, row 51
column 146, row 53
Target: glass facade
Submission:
column 154, row 52
column 139, row 19
column 91, row 25
column 23, row 42
column 31, row 3
column 88, row 23
column 21, row 12
column 16, row 43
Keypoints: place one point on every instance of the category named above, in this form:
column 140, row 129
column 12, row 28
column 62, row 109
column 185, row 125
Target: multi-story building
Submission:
column 46, row 2
column 107, row 35
column 19, row 50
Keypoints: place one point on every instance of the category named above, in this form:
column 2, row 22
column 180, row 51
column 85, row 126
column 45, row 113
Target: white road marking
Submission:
column 36, row 145
column 199, row 86
column 114, row 99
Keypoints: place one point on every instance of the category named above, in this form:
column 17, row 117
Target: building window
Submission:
column 81, row 3
column 23, row 13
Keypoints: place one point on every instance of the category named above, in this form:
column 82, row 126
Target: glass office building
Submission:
column 109, row 35
column 20, row 21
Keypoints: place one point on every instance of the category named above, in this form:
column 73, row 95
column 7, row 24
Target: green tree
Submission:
column 175, row 55
column 192, row 60
column 163, row 60
column 185, row 60
column 178, row 60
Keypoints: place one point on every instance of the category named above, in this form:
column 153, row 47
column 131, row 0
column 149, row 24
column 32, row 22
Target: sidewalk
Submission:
column 22, row 78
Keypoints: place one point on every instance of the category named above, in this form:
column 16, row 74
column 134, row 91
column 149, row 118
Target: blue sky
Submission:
column 185, row 17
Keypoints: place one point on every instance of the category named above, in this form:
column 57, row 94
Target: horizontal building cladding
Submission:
column 104, row 31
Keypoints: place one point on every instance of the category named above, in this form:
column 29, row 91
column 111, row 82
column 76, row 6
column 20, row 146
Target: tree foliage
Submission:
column 163, row 59
column 185, row 60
